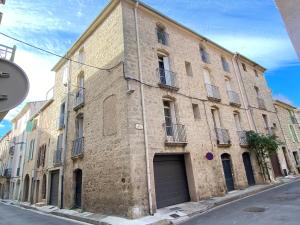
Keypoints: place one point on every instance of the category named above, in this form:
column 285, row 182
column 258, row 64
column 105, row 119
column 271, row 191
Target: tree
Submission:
column 263, row 146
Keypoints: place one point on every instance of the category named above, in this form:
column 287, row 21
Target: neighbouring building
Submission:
column 290, row 14
column 147, row 114
column 291, row 130
column 5, row 165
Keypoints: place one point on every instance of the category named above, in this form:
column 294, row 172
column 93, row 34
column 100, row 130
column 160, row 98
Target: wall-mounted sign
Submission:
column 14, row 85
column 209, row 156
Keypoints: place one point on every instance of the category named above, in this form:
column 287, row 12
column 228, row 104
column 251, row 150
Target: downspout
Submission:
column 245, row 99
column 143, row 109
column 65, row 143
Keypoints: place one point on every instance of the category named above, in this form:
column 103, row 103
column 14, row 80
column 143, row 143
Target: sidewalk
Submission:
column 169, row 215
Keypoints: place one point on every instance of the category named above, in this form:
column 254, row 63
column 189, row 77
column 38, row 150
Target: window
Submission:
column 79, row 126
column 41, row 156
column 244, row 67
column 81, row 56
column 162, row 36
column 31, row 150
column 216, row 117
column 170, row 116
column 196, row 111
column 61, row 122
column 188, row 69
column 255, row 72
column 59, row 145
column 225, row 64
column 204, row 55
column 65, row 75
column 110, row 115
column 237, row 120
column 294, row 134
column 165, row 75
column 265, row 118
column 296, row 157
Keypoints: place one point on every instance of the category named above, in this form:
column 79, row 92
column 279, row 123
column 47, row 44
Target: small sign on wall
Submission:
column 209, row 156
column 139, row 126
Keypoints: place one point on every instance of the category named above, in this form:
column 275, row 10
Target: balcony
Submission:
column 57, row 157
column 243, row 138
column 79, row 99
column 167, row 79
column 11, row 150
column 261, row 103
column 162, row 37
column 223, row 138
column 175, row 134
column 18, row 172
column 213, row 93
column 78, row 148
column 7, row 173
column 234, row 98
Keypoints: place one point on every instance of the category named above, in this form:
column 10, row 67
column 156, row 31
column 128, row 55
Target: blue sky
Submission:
column 253, row 28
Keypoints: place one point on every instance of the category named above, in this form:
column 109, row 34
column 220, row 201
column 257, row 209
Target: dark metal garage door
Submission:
column 54, row 188
column 171, row 185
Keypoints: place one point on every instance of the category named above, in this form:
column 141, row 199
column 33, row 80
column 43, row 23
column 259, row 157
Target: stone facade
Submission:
column 130, row 95
column 5, row 164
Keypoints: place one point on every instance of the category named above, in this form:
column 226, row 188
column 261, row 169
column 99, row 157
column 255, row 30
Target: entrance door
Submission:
column 276, row 165
column 78, row 187
column 171, row 185
column 37, row 190
column 54, row 188
column 248, row 168
column 226, row 161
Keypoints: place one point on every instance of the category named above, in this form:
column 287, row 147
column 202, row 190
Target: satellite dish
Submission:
column 14, row 85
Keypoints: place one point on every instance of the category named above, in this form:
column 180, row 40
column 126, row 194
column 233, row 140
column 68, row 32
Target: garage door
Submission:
column 54, row 188
column 171, row 185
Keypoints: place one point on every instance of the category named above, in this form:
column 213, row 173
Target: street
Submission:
column 280, row 206
column 10, row 215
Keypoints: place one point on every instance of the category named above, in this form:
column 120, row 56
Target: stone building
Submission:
column 146, row 114
column 291, row 130
column 160, row 116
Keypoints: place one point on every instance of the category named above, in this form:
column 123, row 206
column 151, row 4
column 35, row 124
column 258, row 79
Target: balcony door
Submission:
column 79, row 126
column 170, row 117
column 228, row 85
column 164, row 70
column 216, row 118
column 237, row 121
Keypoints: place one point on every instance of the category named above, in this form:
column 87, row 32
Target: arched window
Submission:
column 204, row 54
column 110, row 115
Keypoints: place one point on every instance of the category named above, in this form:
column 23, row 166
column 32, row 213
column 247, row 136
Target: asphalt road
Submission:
column 11, row 215
column 280, row 206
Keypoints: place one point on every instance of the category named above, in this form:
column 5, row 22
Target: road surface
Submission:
column 279, row 206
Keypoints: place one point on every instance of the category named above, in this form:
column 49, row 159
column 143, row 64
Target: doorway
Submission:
column 227, row 168
column 78, row 188
column 248, row 168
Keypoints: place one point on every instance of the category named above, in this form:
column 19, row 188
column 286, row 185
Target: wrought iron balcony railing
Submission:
column 213, row 92
column 175, row 134
column 57, row 157
column 261, row 103
column 243, row 138
column 223, row 137
column 12, row 150
column 162, row 37
column 234, row 98
column 79, row 99
column 167, row 78
column 78, row 147
column 7, row 173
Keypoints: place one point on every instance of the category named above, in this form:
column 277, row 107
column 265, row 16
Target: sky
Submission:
column 253, row 28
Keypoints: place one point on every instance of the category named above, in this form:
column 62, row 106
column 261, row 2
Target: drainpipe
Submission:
column 65, row 134
column 245, row 100
column 143, row 108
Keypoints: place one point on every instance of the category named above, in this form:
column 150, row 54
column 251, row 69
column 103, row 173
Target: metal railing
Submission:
column 57, row 157
column 270, row 131
column 175, row 133
column 167, row 77
column 78, row 147
column 234, row 98
column 7, row 53
column 261, row 103
column 213, row 92
column 7, row 173
column 242, row 137
column 79, row 98
column 18, row 172
column 223, row 137
column 162, row 37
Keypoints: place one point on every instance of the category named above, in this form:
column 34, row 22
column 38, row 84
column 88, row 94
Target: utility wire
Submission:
column 57, row 55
